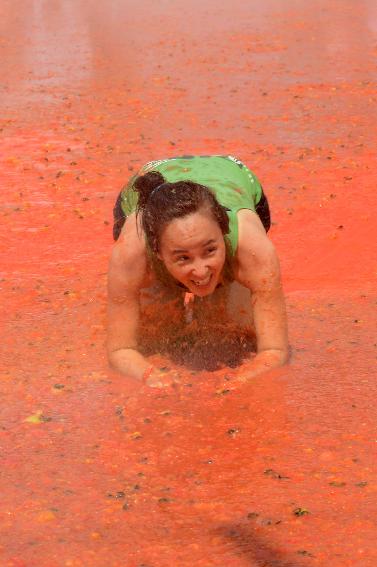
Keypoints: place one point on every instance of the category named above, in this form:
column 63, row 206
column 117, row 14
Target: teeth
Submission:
column 203, row 282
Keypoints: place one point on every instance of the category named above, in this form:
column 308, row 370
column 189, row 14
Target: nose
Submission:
column 200, row 270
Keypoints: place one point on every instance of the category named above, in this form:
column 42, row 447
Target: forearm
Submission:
column 129, row 361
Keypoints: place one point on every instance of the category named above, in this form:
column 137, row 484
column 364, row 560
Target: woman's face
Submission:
column 193, row 251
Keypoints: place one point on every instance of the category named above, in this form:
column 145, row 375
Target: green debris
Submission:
column 300, row 512
column 37, row 417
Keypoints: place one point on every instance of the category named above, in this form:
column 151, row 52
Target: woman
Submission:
column 194, row 223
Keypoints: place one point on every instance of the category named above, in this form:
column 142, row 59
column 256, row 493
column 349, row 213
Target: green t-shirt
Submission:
column 233, row 184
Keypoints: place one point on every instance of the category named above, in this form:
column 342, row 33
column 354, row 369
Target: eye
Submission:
column 211, row 250
column 182, row 259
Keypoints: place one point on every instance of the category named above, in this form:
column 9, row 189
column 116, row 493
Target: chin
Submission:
column 202, row 293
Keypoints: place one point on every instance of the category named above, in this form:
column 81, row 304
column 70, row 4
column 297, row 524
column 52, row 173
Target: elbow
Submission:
column 111, row 359
column 274, row 357
column 118, row 356
column 281, row 357
column 284, row 356
column 288, row 355
column 112, row 356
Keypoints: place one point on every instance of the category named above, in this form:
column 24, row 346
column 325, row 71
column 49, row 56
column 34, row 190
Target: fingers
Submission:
column 159, row 384
column 155, row 384
column 162, row 378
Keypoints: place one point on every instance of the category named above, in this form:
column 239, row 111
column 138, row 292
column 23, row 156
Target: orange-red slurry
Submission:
column 95, row 470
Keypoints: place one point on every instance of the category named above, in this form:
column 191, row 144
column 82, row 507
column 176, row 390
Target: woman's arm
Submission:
column 127, row 270
column 127, row 275
column 259, row 270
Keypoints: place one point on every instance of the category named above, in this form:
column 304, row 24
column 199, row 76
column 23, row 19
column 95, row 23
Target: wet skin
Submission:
column 193, row 251
column 288, row 86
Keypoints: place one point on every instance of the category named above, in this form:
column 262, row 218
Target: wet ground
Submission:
column 96, row 471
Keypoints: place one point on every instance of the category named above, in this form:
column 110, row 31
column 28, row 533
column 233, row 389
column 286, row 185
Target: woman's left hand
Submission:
column 162, row 378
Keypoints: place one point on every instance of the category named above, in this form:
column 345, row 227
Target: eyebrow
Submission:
column 181, row 250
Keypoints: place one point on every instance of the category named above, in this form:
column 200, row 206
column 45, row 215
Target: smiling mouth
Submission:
column 202, row 283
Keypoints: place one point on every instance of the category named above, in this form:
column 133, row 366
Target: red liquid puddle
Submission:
column 95, row 470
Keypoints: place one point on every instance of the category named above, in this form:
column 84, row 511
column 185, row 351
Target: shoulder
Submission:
column 256, row 255
column 251, row 234
column 128, row 259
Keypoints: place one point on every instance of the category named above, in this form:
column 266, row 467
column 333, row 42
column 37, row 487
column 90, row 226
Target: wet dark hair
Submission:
column 160, row 202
